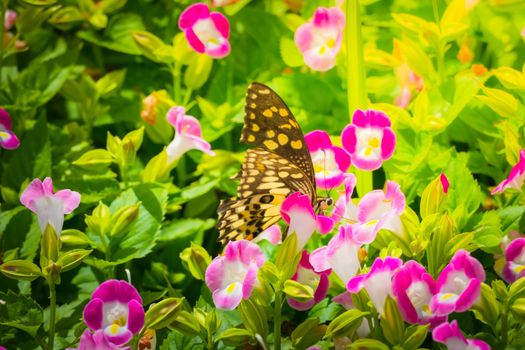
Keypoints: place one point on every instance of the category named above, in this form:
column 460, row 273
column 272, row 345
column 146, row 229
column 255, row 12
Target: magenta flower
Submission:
column 516, row 176
column 207, row 32
column 458, row 285
column 450, row 335
column 8, row 139
column 377, row 282
column 330, row 162
column 48, row 206
column 115, row 309
column 299, row 214
column 319, row 39
column 414, row 289
column 188, row 135
column 514, row 260
column 340, row 255
column 344, row 207
column 97, row 341
column 369, row 139
column 306, row 275
column 231, row 277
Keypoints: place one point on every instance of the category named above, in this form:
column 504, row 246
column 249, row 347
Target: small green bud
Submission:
column 433, row 199
column 195, row 259
column 124, row 218
column 72, row 258
column 99, row 220
column 163, row 313
column 20, row 270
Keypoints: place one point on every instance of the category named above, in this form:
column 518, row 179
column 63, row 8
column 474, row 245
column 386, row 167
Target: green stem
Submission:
column 277, row 318
column 181, row 171
column 441, row 46
column 3, row 8
column 505, row 326
column 356, row 80
column 187, row 97
column 435, row 10
column 176, row 83
column 52, row 314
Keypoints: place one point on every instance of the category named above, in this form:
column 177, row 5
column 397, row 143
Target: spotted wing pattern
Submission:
column 269, row 124
column 266, row 179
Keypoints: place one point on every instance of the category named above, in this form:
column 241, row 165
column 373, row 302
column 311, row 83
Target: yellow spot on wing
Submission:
column 267, row 113
column 251, row 138
column 284, row 174
column 253, row 105
column 252, row 116
column 283, row 139
column 264, row 91
column 297, row 144
column 255, row 127
column 273, row 108
column 283, row 112
column 270, row 133
column 285, row 126
column 272, row 145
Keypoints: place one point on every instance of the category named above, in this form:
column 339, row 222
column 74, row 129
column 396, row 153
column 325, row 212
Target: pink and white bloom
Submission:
column 458, row 285
column 231, row 277
column 514, row 260
column 299, row 214
column 377, row 282
column 369, row 139
column 414, row 289
column 377, row 210
column 207, row 32
column 450, row 335
column 330, row 162
column 8, row 139
column 115, row 309
column 49, row 206
column 340, row 255
column 188, row 135
column 319, row 40
column 516, row 177
column 272, row 234
column 306, row 275
column 97, row 341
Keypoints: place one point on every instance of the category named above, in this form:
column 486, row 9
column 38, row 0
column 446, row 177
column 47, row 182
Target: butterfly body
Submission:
column 279, row 165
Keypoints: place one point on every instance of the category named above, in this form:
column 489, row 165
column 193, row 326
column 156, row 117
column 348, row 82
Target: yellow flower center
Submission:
column 330, row 43
column 3, row 135
column 230, row 288
column 447, row 296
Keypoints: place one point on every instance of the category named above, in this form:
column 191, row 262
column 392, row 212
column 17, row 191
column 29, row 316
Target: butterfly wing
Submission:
column 269, row 124
column 266, row 179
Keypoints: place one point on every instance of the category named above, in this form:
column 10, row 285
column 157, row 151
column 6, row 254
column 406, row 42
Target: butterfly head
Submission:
column 323, row 203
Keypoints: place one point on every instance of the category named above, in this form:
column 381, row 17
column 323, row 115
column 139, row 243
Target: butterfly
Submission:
column 279, row 165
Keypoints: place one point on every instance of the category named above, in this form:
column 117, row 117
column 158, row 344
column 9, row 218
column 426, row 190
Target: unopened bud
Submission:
column 195, row 259
column 124, row 218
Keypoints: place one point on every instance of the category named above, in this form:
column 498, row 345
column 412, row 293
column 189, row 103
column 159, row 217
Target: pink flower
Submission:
column 340, row 255
column 450, row 335
column 414, row 288
column 375, row 211
column 299, row 214
column 330, row 162
column 514, row 260
column 188, row 135
column 369, row 139
column 8, row 139
column 9, row 19
column 231, row 277
column 207, row 32
column 48, row 206
column 377, row 282
column 97, row 341
column 408, row 80
column 516, row 176
column 306, row 275
column 115, row 309
column 272, row 234
column 458, row 285
column 319, row 40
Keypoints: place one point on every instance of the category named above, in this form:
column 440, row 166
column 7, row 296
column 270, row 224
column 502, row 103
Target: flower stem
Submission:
column 505, row 325
column 52, row 314
column 277, row 318
column 356, row 80
column 176, row 83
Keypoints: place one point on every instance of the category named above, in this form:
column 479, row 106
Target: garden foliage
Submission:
column 119, row 137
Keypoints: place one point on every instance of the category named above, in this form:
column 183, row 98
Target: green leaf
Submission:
column 392, row 322
column 235, row 337
column 368, row 344
column 500, row 102
column 110, row 82
column 298, row 291
column 186, row 323
column 288, row 257
column 307, row 333
column 346, row 323
column 184, row 227
column 20, row 312
column 96, row 159
column 152, row 46
column 416, row 335
column 198, row 72
column 254, row 317
column 22, row 270
column 487, row 308
column 416, row 58
column 289, row 52
column 510, row 78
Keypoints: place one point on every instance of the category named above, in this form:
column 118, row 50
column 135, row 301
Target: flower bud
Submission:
column 163, row 313
column 72, row 258
column 195, row 259
column 22, row 270
column 124, row 218
column 433, row 199
column 99, row 220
